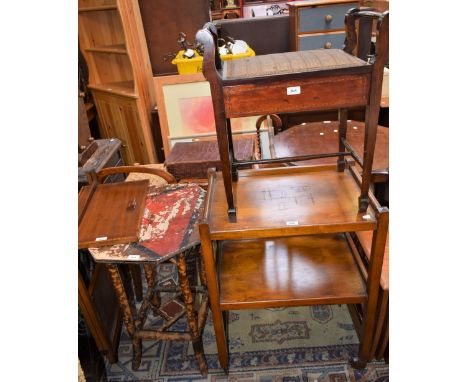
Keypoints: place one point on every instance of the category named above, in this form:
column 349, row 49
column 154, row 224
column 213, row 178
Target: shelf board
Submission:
column 98, row 8
column 124, row 88
column 117, row 49
column 288, row 201
column 290, row 271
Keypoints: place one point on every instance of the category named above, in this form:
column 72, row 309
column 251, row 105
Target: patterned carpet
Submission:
column 306, row 344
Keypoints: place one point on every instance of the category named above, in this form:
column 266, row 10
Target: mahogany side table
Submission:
column 322, row 79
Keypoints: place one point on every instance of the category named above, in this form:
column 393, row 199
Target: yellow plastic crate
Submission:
column 228, row 57
column 188, row 65
column 194, row 65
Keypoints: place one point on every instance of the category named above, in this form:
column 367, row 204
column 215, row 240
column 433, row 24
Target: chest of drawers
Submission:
column 316, row 24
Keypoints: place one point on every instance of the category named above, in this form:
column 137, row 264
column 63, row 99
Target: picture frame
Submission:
column 186, row 114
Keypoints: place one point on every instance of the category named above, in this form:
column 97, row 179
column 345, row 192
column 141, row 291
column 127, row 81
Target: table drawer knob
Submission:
column 328, row 18
column 327, row 45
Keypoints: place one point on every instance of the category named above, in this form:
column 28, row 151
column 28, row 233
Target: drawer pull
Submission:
column 124, row 146
column 328, row 18
column 327, row 45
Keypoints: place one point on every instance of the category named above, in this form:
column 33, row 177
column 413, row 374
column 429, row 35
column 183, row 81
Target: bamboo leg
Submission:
column 128, row 312
column 136, row 346
column 197, row 341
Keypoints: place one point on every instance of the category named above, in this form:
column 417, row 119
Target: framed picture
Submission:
column 186, row 112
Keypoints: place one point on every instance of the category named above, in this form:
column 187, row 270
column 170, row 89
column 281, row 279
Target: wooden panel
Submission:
column 162, row 22
column 119, row 118
column 314, row 19
column 95, row 3
column 100, row 28
column 104, row 112
column 110, row 68
column 290, row 271
column 124, row 88
column 315, row 94
column 130, row 119
column 319, row 41
column 287, row 202
column 113, row 215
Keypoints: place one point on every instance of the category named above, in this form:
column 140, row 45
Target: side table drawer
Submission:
column 323, row 18
column 325, row 40
column 310, row 94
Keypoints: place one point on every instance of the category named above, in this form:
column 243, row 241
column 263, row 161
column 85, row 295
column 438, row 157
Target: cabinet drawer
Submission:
column 319, row 41
column 316, row 93
column 323, row 18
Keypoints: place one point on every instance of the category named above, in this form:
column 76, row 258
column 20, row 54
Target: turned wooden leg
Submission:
column 212, row 282
column 197, row 341
column 343, row 118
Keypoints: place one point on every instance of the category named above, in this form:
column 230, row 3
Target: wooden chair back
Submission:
column 104, row 173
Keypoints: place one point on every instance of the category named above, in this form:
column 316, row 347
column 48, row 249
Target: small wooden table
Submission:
column 168, row 232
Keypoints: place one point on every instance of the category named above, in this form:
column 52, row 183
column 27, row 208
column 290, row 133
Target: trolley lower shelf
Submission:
column 288, row 271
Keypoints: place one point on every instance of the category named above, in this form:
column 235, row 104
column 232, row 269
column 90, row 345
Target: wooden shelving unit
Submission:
column 114, row 46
